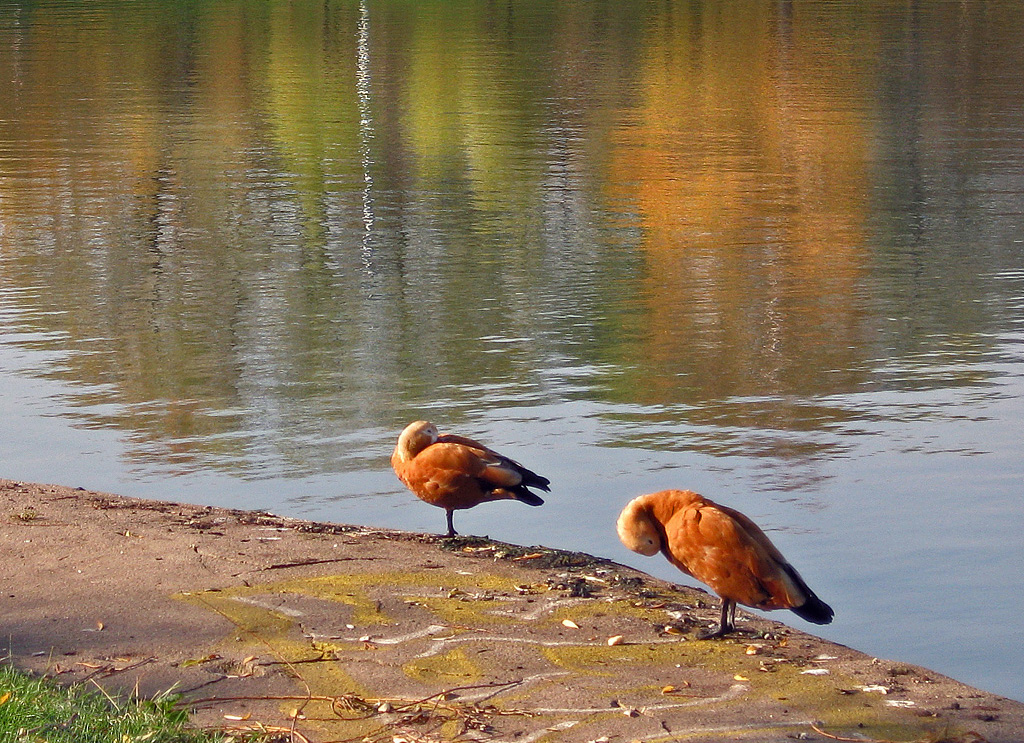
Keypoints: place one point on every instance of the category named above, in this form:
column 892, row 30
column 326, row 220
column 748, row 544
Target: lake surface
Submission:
column 772, row 252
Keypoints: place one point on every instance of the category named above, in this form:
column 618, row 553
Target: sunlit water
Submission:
column 775, row 255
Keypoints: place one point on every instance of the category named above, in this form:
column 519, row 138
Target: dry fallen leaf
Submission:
column 668, row 689
column 570, row 624
column 670, row 630
column 197, row 661
column 737, row 677
column 615, row 640
column 753, row 649
column 5, row 697
column 238, row 718
column 875, row 688
column 531, row 556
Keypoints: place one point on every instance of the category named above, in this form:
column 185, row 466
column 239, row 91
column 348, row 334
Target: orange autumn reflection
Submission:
column 751, row 187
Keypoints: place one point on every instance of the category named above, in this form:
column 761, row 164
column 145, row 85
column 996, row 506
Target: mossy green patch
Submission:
column 771, row 679
column 594, row 608
column 452, row 668
column 825, row 698
column 785, row 684
column 264, row 629
column 250, row 618
column 459, row 610
column 357, row 591
column 724, row 734
column 462, row 599
column 601, row 659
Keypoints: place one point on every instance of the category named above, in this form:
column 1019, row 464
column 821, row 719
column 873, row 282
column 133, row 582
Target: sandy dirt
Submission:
column 345, row 633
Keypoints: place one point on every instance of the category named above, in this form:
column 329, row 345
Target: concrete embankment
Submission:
column 342, row 633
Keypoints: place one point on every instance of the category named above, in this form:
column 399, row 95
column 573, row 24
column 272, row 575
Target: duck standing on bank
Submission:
column 722, row 548
column 455, row 472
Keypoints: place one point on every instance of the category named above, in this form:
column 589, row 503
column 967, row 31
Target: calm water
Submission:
column 773, row 254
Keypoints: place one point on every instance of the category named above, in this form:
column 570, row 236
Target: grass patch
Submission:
column 35, row 710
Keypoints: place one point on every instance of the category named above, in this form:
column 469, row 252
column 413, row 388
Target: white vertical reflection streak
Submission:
column 365, row 131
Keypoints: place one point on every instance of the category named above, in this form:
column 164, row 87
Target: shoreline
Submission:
column 340, row 631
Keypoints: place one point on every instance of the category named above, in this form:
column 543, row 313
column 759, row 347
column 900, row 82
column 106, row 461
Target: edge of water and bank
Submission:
column 339, row 632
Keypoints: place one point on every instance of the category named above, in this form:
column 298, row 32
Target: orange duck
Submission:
column 454, row 472
column 722, row 548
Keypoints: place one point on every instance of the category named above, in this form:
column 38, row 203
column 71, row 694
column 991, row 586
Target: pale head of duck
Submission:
column 416, row 437
column 637, row 529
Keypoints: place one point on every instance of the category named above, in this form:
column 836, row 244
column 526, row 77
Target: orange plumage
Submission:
column 455, row 472
column 722, row 548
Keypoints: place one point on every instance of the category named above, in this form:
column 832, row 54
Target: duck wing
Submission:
column 498, row 468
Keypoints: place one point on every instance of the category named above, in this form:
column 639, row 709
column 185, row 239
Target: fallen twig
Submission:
column 105, row 671
column 437, row 709
column 261, row 730
column 302, row 563
column 265, row 698
column 968, row 737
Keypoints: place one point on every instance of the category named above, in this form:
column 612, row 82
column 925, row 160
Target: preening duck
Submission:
column 454, row 472
column 722, row 548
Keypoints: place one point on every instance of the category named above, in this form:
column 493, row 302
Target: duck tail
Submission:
column 814, row 610
column 532, row 480
column 520, row 493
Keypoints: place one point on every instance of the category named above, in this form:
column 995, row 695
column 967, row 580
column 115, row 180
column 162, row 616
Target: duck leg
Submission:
column 726, row 622
column 451, row 526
